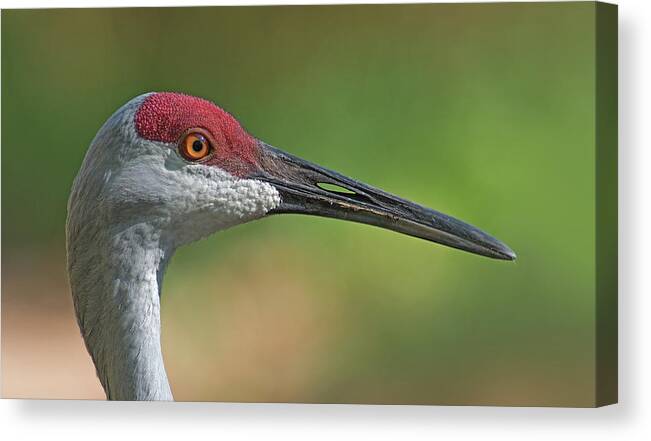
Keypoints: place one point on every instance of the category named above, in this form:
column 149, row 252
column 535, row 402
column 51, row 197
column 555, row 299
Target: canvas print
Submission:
column 379, row 204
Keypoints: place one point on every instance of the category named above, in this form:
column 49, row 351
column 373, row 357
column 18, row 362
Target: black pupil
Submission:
column 197, row 145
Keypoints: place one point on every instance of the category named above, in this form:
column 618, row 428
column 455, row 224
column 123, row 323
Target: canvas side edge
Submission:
column 606, row 132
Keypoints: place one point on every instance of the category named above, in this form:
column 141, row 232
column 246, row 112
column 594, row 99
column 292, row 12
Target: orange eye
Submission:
column 194, row 147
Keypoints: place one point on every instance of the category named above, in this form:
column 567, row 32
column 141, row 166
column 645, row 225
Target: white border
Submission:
column 629, row 420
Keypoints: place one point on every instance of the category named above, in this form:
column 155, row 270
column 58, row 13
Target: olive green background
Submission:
column 485, row 112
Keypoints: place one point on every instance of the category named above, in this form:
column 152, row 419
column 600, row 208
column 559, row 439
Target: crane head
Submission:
column 187, row 167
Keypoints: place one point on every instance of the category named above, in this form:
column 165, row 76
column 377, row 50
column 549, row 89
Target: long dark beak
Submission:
column 307, row 188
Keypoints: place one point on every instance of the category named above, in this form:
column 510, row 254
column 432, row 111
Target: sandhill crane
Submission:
column 167, row 169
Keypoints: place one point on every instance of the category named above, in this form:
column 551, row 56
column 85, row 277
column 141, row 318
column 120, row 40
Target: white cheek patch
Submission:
column 242, row 198
column 207, row 199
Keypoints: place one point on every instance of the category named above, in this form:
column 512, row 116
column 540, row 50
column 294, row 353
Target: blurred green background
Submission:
column 484, row 112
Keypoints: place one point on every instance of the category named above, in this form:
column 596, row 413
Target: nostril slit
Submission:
column 345, row 192
column 334, row 188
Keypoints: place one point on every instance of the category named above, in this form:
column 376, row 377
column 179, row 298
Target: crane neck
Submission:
column 116, row 286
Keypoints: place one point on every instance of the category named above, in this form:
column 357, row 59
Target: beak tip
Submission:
column 508, row 254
